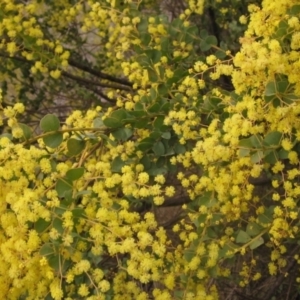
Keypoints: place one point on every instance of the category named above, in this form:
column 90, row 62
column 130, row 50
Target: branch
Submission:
column 176, row 201
column 83, row 81
column 291, row 264
column 98, row 73
column 92, row 82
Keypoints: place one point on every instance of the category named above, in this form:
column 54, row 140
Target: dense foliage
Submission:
column 149, row 151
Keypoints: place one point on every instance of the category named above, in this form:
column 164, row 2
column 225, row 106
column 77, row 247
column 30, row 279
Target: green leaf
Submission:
column 146, row 144
column 112, row 122
column 122, row 134
column 244, row 152
column 155, row 135
column 155, row 108
column 162, row 89
column 189, row 255
column 245, row 143
column 270, row 89
column 145, row 38
column 273, row 139
column 154, row 170
column 267, row 217
column 7, row 135
column 208, row 42
column 243, row 237
column 58, row 225
column 117, row 164
column 27, row 132
column 84, row 192
column 142, row 27
column 159, row 122
column 257, row 157
column 256, row 243
column 254, row 229
column 204, row 46
column 41, row 225
column 213, row 272
column 53, row 140
column 116, row 118
column 283, row 154
column 141, row 123
column 77, row 212
column 146, row 162
column 211, row 40
column 75, row 146
column 47, row 249
column 207, row 200
column 159, row 149
column 282, row 86
column 192, row 33
column 49, row 122
column 211, row 233
column 152, row 75
column 139, row 107
column 256, row 141
column 166, row 135
column 154, row 55
column 75, row 174
column 203, row 33
column 54, row 262
column 165, row 106
column 179, row 149
column 294, row 10
column 271, row 157
column 227, row 250
column 98, row 122
column 63, row 186
column 220, row 54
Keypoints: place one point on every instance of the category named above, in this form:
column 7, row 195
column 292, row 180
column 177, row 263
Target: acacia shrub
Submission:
column 75, row 216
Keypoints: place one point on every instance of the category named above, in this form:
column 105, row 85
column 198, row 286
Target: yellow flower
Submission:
column 83, row 290
column 55, row 74
column 170, row 191
column 143, row 178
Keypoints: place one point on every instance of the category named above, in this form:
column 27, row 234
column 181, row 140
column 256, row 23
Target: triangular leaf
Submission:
column 243, row 237
column 256, row 243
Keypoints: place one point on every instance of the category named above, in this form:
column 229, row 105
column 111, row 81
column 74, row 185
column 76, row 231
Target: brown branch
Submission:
column 292, row 263
column 92, row 82
column 98, row 73
column 85, row 83
column 176, row 201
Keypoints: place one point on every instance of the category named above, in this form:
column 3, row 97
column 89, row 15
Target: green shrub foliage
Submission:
column 146, row 154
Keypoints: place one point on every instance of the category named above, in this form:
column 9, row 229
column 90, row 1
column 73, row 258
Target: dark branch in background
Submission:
column 98, row 74
column 214, row 26
column 224, row 81
column 176, row 201
column 291, row 264
column 122, row 84
column 92, row 82
column 99, row 93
